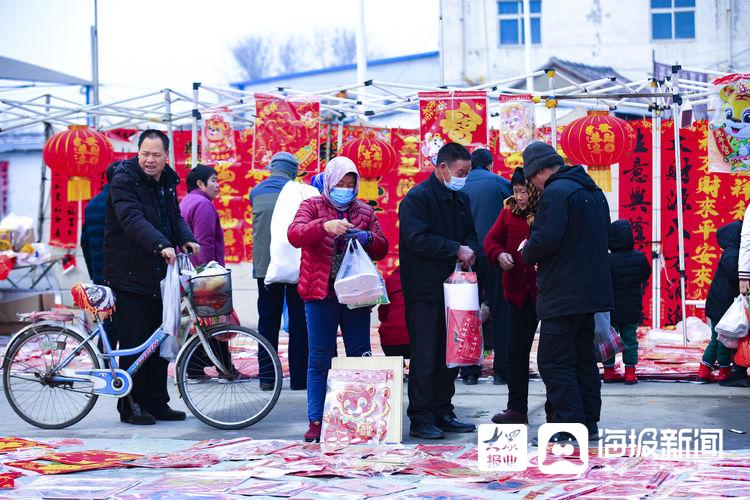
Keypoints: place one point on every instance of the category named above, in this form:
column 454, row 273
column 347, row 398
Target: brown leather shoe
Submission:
column 510, row 417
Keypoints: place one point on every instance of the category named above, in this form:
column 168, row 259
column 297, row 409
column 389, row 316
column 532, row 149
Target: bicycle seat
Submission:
column 97, row 299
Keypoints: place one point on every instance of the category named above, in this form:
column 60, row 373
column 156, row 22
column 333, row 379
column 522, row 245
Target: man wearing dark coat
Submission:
column 568, row 243
column 144, row 227
column 436, row 232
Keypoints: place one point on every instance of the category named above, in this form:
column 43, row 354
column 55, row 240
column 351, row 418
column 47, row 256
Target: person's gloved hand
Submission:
column 362, row 237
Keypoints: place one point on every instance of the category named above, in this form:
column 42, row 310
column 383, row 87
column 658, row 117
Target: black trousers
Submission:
column 568, row 368
column 403, row 350
column 136, row 318
column 522, row 325
column 270, row 309
column 431, row 382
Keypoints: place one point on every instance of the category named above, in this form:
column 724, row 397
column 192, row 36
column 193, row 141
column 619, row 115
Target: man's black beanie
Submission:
column 539, row 155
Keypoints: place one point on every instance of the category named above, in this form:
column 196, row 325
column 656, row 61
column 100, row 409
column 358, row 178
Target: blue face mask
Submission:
column 342, row 196
column 456, row 183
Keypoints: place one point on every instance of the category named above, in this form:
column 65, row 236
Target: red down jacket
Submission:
column 306, row 232
column 505, row 236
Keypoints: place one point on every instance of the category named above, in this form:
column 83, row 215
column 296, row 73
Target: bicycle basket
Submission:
column 211, row 295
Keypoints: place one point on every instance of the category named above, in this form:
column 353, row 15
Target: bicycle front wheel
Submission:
column 242, row 396
column 29, row 369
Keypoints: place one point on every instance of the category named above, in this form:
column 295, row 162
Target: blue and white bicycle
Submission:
column 53, row 372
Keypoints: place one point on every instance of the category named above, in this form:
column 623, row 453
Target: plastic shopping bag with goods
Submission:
column 464, row 341
column 358, row 280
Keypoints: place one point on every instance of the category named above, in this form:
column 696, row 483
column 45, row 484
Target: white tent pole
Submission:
column 655, row 212
column 553, row 109
column 95, row 59
column 168, row 118
column 676, row 119
column 194, row 136
column 42, row 185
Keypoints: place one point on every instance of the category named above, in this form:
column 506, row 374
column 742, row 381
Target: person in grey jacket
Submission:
column 284, row 167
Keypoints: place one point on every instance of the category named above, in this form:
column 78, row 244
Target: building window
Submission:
column 510, row 17
column 672, row 19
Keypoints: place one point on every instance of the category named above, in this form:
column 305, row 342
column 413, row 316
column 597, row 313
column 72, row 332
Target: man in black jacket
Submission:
column 436, row 231
column 568, row 242
column 144, row 226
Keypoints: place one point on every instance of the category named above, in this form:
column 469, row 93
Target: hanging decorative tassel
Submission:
column 602, row 176
column 79, row 189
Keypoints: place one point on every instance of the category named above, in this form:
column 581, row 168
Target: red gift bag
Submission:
column 742, row 356
column 463, row 324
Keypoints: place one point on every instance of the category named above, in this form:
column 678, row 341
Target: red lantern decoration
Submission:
column 80, row 153
column 598, row 140
column 373, row 157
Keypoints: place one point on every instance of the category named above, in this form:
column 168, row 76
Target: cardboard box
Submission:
column 12, row 303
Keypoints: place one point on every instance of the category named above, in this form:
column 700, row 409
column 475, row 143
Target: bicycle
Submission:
column 53, row 372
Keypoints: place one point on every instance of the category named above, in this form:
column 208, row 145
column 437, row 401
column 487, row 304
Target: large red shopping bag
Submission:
column 464, row 341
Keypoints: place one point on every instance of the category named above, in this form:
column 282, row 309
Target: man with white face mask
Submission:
column 436, row 231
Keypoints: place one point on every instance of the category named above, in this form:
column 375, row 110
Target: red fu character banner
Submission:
column 286, row 125
column 454, row 116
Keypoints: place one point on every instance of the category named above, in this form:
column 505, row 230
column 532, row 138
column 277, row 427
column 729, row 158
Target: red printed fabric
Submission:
column 64, row 214
column 451, row 116
column 286, row 125
column 710, row 200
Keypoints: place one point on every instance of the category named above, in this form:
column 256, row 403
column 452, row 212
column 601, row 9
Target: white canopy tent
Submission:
column 372, row 99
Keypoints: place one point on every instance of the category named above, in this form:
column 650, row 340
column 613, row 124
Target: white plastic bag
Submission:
column 697, row 330
column 285, row 259
column 358, row 279
column 734, row 323
column 170, row 295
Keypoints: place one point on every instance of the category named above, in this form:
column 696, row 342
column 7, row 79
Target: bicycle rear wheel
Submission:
column 28, row 369
column 244, row 397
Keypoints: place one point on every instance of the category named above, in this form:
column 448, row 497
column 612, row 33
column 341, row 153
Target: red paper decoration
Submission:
column 80, row 154
column 598, row 140
column 373, row 157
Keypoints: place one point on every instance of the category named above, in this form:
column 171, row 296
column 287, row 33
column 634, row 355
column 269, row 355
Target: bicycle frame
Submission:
column 145, row 350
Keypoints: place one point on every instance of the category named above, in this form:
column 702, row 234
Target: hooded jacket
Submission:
column 630, row 271
column 92, row 235
column 135, row 237
column 307, row 232
column 568, row 241
column 726, row 284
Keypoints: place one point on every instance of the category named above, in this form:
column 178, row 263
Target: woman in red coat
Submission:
column 501, row 246
column 321, row 228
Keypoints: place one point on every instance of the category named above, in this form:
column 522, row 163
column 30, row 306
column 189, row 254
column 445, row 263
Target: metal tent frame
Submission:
column 172, row 108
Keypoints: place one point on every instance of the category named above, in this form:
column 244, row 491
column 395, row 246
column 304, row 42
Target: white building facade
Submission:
column 482, row 40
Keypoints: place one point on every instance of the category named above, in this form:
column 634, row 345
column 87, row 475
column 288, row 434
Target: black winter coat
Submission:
column 133, row 241
column 92, row 235
column 434, row 221
column 630, row 273
column 726, row 284
column 568, row 241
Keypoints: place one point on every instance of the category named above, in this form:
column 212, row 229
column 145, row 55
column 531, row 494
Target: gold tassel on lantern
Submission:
column 603, row 177
column 368, row 189
column 79, row 189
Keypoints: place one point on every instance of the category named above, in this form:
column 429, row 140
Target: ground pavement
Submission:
column 645, row 405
